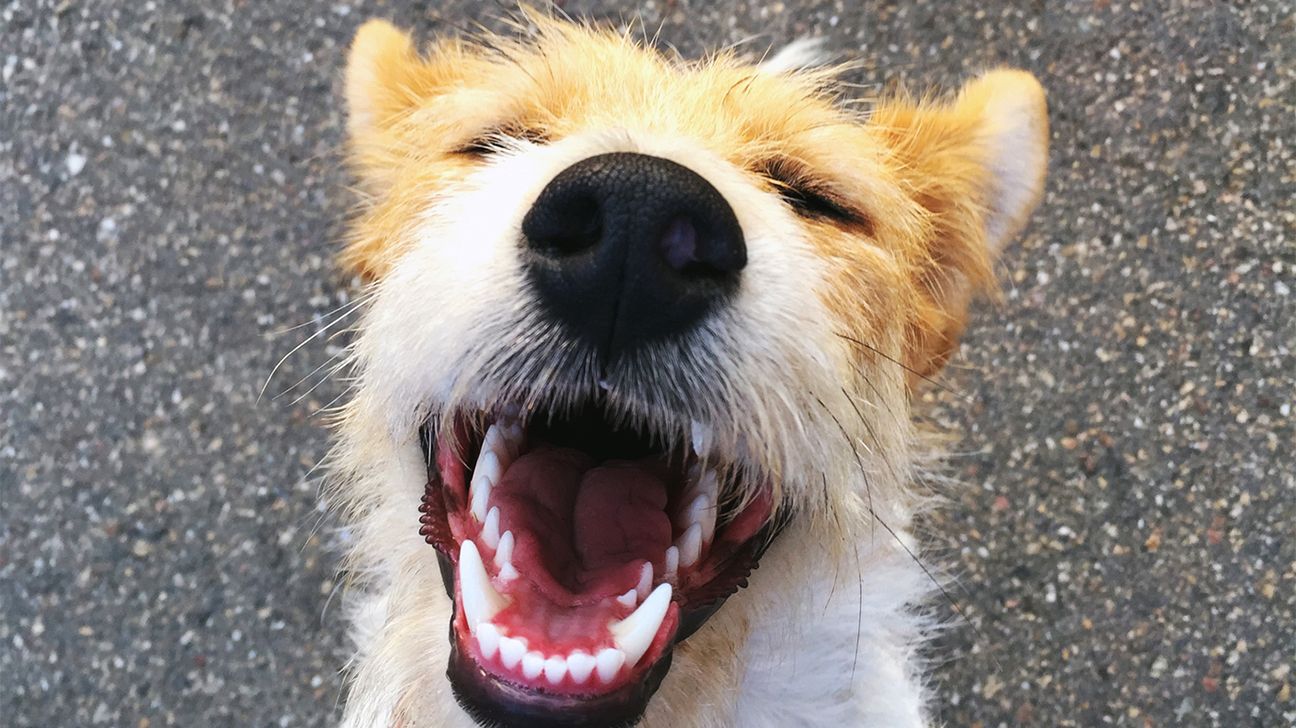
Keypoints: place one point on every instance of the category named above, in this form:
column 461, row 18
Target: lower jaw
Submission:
column 493, row 701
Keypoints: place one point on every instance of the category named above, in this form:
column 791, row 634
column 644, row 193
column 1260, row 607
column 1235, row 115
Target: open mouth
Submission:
column 578, row 552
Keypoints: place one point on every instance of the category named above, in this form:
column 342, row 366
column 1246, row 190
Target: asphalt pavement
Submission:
column 171, row 198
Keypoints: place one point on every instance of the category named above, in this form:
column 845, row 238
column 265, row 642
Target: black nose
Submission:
column 627, row 249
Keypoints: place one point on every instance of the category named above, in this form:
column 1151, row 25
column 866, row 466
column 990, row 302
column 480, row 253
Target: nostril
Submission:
column 569, row 227
column 679, row 244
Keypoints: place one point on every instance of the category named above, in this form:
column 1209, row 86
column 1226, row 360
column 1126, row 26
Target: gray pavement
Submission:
column 170, row 198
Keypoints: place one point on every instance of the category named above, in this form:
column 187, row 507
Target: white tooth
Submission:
column 555, row 669
column 511, row 651
column 485, row 475
column 645, row 580
column 504, row 551
column 609, row 661
column 532, row 665
column 494, row 440
column 508, row 573
column 580, row 664
column 629, row 599
column 490, row 532
column 703, row 511
column 704, row 483
column 709, row 485
column 672, row 562
column 634, row 634
column 701, row 437
column 480, row 600
column 488, row 639
column 513, row 433
column 690, row 545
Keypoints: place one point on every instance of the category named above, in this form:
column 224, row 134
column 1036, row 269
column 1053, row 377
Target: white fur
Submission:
column 798, row 55
column 825, row 635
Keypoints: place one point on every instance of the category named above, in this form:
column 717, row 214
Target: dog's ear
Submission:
column 976, row 166
column 386, row 79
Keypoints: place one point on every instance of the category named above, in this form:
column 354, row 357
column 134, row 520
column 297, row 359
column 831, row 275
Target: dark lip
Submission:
column 493, row 701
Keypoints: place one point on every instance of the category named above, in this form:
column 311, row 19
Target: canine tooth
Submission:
column 480, row 600
column 701, row 437
column 645, row 580
column 555, row 669
column 634, row 634
column 690, row 545
column 511, row 650
column 609, row 662
column 488, row 639
column 490, row 532
column 579, row 665
column 504, row 551
column 532, row 665
column 629, row 599
column 672, row 562
column 508, row 572
column 485, row 475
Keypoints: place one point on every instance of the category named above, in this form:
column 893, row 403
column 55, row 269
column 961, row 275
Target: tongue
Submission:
column 583, row 529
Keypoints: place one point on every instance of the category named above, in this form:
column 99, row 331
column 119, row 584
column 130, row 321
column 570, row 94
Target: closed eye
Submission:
column 807, row 197
column 499, row 138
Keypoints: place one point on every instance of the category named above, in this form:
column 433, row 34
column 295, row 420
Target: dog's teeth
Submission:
column 504, row 557
column 511, row 650
column 532, row 665
column 645, row 580
column 609, row 662
column 700, row 483
column 579, row 665
column 490, row 532
column 488, row 639
column 485, row 475
column 672, row 563
column 629, row 599
column 504, row 549
column 480, row 600
column 690, row 545
column 634, row 634
column 700, row 511
column 701, row 436
column 513, row 434
column 706, row 515
column 555, row 669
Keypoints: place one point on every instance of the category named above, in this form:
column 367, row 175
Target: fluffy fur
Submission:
column 807, row 374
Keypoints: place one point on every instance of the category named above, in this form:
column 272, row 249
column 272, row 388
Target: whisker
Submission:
column 906, row 367
column 306, row 341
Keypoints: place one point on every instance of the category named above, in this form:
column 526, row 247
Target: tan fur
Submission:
column 916, row 170
column 936, row 186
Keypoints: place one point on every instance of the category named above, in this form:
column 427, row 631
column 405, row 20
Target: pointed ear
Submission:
column 379, row 69
column 975, row 166
column 386, row 81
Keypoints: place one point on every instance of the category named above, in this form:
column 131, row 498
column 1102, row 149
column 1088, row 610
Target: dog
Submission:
column 629, row 439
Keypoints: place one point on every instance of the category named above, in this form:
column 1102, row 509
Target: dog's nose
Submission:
column 629, row 249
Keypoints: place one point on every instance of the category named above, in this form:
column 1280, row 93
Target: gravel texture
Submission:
column 170, row 198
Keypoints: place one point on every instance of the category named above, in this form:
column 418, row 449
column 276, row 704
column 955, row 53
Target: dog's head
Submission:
column 629, row 317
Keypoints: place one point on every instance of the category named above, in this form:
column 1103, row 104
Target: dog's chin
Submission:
column 578, row 552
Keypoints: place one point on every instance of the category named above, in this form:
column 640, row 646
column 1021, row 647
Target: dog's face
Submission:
column 629, row 318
